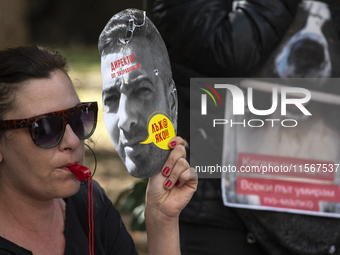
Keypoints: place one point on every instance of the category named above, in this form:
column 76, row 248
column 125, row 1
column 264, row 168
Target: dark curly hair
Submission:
column 21, row 64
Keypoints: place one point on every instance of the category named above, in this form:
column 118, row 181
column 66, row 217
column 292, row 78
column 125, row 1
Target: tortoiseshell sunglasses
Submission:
column 47, row 130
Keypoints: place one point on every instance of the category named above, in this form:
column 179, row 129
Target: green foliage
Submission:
column 132, row 200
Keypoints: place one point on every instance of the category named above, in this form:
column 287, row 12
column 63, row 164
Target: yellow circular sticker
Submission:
column 161, row 131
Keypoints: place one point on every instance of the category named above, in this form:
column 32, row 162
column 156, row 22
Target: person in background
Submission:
column 220, row 38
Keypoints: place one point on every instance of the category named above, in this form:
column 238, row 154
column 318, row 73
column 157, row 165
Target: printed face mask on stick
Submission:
column 139, row 95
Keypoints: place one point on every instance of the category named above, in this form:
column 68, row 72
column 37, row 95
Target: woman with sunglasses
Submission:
column 43, row 207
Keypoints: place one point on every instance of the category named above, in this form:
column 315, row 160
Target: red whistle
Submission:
column 81, row 172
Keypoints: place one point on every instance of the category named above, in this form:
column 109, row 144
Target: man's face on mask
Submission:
column 130, row 96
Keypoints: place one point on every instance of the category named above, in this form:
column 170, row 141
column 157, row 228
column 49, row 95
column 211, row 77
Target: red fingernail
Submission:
column 166, row 170
column 173, row 143
column 177, row 183
column 168, row 183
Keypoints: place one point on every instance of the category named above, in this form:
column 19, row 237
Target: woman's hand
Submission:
column 167, row 194
column 169, row 191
